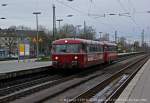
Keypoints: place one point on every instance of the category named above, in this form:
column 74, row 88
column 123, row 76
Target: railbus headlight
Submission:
column 56, row 58
column 75, row 57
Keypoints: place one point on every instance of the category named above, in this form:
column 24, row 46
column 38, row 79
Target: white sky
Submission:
column 19, row 12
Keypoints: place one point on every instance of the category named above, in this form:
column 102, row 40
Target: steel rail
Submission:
column 42, row 86
column 67, row 88
column 84, row 97
column 113, row 97
column 8, row 83
column 11, row 89
column 37, row 88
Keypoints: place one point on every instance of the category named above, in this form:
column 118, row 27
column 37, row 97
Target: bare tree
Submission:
column 105, row 37
column 122, row 44
column 13, row 27
column 67, row 30
column 43, row 28
column 10, row 41
column 88, row 33
column 22, row 27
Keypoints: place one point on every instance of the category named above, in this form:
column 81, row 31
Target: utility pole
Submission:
column 85, row 29
column 116, row 36
column 54, row 22
column 77, row 30
column 107, row 36
column 100, row 36
column 18, row 46
column 142, row 38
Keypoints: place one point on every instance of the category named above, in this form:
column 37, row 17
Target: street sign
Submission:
column 27, row 49
column 21, row 49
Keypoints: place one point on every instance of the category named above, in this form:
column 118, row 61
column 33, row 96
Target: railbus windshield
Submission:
column 67, row 48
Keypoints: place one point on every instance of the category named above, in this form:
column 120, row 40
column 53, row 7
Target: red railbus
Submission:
column 109, row 52
column 81, row 53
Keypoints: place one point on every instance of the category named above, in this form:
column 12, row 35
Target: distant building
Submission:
column 9, row 39
column 3, row 53
column 104, row 37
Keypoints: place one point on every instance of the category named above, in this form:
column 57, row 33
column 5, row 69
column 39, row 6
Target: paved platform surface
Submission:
column 12, row 68
column 138, row 90
column 127, row 53
column 14, row 65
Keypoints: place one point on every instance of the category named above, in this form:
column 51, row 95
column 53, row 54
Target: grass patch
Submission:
column 43, row 58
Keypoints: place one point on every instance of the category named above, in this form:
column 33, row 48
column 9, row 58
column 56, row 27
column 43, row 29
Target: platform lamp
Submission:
column 59, row 20
column 37, row 36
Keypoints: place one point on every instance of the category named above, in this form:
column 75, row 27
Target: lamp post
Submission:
column 37, row 36
column 77, row 29
column 54, row 21
column 59, row 20
column 70, row 15
column 4, row 4
column 2, row 18
column 70, row 0
column 100, row 33
column 40, row 40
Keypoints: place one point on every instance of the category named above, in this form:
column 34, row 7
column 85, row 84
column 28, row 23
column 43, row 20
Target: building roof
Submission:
column 15, row 33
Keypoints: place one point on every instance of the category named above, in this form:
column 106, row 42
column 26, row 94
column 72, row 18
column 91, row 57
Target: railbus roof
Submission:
column 78, row 41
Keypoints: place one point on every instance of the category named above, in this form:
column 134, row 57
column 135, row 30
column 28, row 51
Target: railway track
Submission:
column 51, row 84
column 15, row 91
column 14, row 88
column 102, row 94
column 28, row 87
column 21, row 79
column 31, row 77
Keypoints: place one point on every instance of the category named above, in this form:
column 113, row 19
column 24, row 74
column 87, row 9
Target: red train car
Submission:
column 81, row 53
column 109, row 52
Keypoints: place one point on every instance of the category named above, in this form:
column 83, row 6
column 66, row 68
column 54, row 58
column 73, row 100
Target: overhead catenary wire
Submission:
column 131, row 16
column 77, row 10
column 92, row 15
column 82, row 12
column 104, row 15
column 123, row 7
column 132, row 6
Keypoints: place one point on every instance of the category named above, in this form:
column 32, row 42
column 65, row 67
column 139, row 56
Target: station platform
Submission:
column 138, row 90
column 14, row 68
column 128, row 53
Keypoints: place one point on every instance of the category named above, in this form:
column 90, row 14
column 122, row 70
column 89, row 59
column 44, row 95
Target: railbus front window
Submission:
column 67, row 48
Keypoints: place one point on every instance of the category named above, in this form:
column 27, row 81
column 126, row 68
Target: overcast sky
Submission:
column 19, row 12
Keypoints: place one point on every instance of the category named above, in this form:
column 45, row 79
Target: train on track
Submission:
column 81, row 53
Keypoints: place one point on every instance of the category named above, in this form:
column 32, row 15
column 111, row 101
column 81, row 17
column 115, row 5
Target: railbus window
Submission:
column 94, row 48
column 66, row 48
